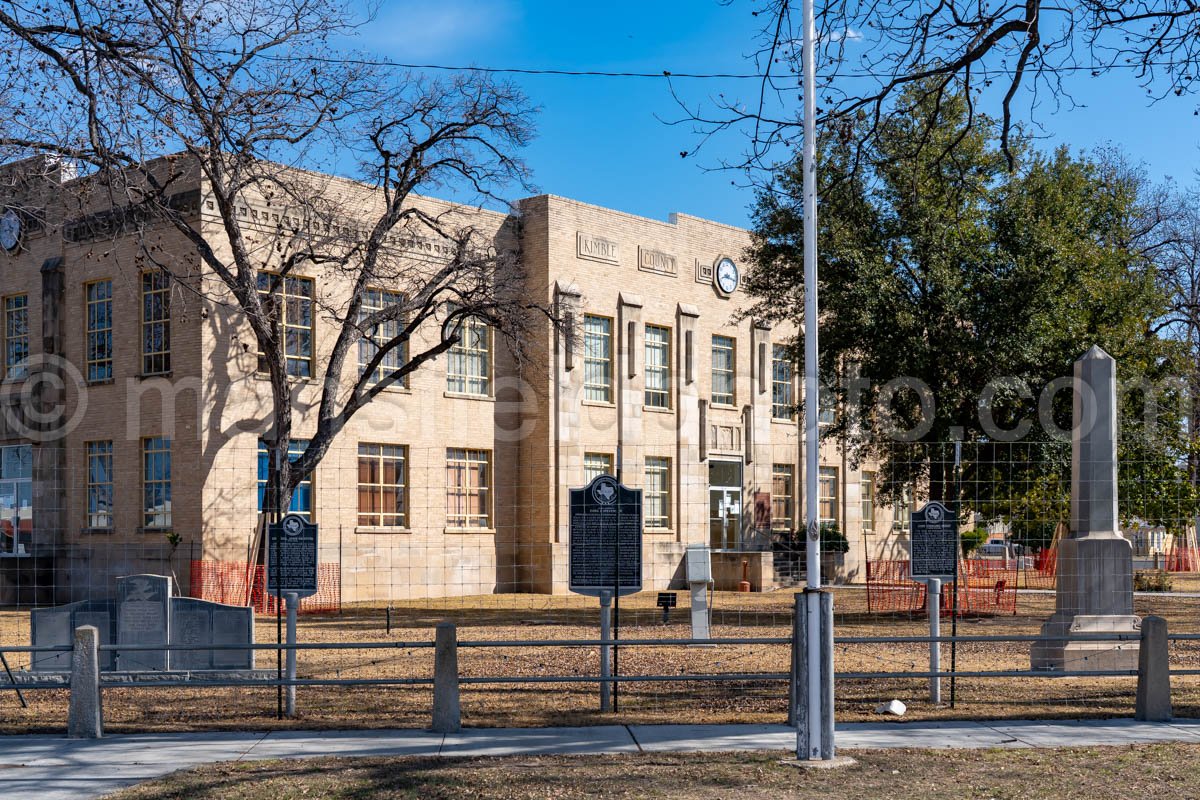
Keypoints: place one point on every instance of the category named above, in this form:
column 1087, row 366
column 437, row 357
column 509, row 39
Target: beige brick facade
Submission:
column 535, row 424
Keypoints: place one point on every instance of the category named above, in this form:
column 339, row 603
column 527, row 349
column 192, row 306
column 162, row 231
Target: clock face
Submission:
column 10, row 230
column 726, row 275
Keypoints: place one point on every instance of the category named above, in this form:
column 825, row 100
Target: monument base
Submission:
column 1091, row 655
column 1095, row 595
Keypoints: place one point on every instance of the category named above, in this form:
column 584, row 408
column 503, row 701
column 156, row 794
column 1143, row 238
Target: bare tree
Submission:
column 250, row 96
column 1008, row 57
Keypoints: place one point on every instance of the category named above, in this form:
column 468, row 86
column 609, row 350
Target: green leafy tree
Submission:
column 942, row 267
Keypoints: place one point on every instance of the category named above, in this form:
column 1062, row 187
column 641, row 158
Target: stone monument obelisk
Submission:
column 1095, row 562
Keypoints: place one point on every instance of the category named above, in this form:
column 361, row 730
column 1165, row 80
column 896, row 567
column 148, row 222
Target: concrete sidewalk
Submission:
column 55, row 768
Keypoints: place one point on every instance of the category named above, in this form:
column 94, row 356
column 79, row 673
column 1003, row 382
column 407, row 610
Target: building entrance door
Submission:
column 724, row 504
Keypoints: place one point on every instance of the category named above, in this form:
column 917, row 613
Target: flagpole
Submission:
column 811, row 391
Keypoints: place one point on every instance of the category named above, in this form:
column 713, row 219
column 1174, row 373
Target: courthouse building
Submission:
column 455, row 483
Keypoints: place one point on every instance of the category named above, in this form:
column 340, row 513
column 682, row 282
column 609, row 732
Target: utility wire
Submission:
column 666, row 73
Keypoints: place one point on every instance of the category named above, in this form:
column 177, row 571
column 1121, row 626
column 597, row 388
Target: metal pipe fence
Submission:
column 149, row 681
column 716, row 672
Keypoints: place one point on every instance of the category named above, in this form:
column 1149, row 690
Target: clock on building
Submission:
column 10, row 231
column 726, row 275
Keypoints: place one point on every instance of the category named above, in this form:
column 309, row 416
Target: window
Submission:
column 826, row 408
column 99, row 330
column 302, row 496
column 294, row 305
column 469, row 369
column 156, row 323
column 658, row 366
column 597, row 359
column 782, row 483
column 595, row 465
column 657, row 494
column 468, row 485
column 16, row 497
column 904, row 512
column 827, row 508
column 382, row 476
column 722, row 370
column 16, row 335
column 782, row 398
column 156, row 482
column 867, row 485
column 100, row 484
column 377, row 300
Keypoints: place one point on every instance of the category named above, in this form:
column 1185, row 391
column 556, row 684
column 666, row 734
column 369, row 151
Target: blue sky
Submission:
column 601, row 140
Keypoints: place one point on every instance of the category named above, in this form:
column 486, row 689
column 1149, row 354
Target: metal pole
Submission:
column 794, row 683
column 616, row 628
column 957, row 551
column 13, row 681
column 277, row 491
column 605, row 635
column 811, row 387
column 935, row 630
column 293, row 602
column 616, row 623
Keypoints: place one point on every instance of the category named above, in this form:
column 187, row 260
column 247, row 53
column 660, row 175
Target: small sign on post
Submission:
column 605, row 559
column 933, row 543
column 293, row 541
column 933, row 557
column 667, row 601
column 605, row 549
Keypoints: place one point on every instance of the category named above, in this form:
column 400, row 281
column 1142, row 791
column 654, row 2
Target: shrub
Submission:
column 972, row 540
column 792, row 541
column 833, row 540
column 1151, row 580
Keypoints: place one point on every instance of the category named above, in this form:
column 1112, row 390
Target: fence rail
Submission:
column 261, row 681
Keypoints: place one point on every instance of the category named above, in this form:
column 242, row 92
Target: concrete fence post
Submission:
column 447, row 713
column 1154, row 672
column 793, row 670
column 85, row 718
column 827, row 688
column 799, row 694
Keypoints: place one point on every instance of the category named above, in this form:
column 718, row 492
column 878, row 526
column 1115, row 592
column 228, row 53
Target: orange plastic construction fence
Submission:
column 984, row 587
column 1044, row 574
column 239, row 583
column 1183, row 559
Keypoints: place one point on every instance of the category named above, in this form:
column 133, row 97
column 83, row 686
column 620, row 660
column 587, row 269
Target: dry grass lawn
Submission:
column 536, row 617
column 1162, row 772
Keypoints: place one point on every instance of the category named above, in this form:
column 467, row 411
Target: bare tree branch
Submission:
column 255, row 103
column 1009, row 54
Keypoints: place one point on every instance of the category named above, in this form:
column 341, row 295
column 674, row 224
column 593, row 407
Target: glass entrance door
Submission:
column 724, row 504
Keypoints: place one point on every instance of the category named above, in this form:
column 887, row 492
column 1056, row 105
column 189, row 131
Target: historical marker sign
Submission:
column 933, row 544
column 606, row 538
column 293, row 540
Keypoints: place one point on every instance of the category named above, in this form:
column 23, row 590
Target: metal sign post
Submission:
column 291, row 574
column 605, row 557
column 933, row 557
column 934, row 593
column 276, row 490
column 954, row 604
column 605, row 651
